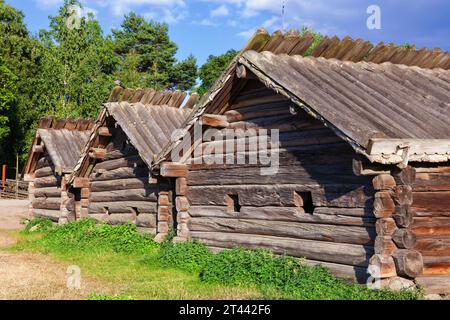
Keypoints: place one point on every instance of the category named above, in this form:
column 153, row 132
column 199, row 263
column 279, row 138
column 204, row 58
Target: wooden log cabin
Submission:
column 111, row 181
column 363, row 182
column 55, row 151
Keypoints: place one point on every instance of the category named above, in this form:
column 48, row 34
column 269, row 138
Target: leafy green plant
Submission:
column 95, row 296
column 187, row 256
column 38, row 225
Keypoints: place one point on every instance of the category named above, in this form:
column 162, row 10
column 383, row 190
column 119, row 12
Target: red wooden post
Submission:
column 4, row 177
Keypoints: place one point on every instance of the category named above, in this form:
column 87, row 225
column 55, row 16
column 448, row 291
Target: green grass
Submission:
column 143, row 269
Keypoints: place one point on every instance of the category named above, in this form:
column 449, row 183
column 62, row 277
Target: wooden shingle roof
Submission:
column 62, row 140
column 398, row 95
column 148, row 117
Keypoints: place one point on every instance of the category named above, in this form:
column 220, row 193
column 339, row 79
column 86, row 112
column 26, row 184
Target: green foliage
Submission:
column 187, row 256
column 317, row 39
column 101, row 297
column 38, row 225
column 87, row 235
column 279, row 277
column 289, row 276
column 213, row 68
column 148, row 56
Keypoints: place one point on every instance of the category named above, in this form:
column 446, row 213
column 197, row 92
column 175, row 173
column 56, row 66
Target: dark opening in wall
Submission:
column 305, row 201
column 106, row 210
column 233, row 203
column 135, row 213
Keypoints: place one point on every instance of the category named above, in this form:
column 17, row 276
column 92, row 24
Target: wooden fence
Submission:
column 13, row 189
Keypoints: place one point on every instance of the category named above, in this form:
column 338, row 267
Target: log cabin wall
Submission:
column 314, row 207
column 431, row 225
column 45, row 191
column 118, row 190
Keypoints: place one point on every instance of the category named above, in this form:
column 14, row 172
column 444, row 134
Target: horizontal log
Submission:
column 146, row 220
column 121, row 173
column 436, row 269
column 149, row 194
column 352, row 273
column 97, row 153
column 121, row 207
column 131, row 162
column 113, row 153
column 105, row 131
column 49, row 192
column 280, row 214
column 320, row 232
column 80, row 182
column 432, row 182
column 349, row 254
column 214, row 121
column 47, row 203
column 44, row 162
column 114, row 219
column 408, row 263
column 48, row 214
column 434, row 284
column 431, row 226
column 119, row 184
column 431, row 201
column 45, row 172
column 38, row 148
column 284, row 175
column 45, row 182
column 173, row 170
column 348, row 196
column 433, row 245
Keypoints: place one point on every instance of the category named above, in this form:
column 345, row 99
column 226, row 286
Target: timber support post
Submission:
column 395, row 261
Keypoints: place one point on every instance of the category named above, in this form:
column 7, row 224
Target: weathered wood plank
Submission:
column 349, row 254
column 124, row 206
column 121, row 173
column 320, row 232
column 119, row 184
column 149, row 194
column 280, row 214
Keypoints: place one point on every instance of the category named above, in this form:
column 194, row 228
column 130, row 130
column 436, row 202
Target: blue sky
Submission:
column 204, row 27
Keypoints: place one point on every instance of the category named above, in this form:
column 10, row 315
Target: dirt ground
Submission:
column 29, row 276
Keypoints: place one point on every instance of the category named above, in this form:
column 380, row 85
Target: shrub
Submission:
column 38, row 225
column 87, row 235
column 289, row 277
column 187, row 256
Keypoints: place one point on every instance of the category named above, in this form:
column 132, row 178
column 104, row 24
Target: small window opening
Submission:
column 304, row 200
column 106, row 210
column 233, row 203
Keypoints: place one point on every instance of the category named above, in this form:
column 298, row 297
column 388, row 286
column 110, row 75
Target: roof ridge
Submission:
column 69, row 124
column 347, row 49
column 150, row 96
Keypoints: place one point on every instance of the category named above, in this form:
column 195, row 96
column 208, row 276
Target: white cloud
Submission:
column 206, row 22
column 221, row 11
column 49, row 3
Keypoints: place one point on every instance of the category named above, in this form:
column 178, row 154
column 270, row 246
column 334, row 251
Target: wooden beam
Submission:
column 214, row 121
column 39, row 148
column 81, row 182
column 365, row 168
column 97, row 153
column 173, row 170
column 105, row 131
column 416, row 146
column 243, row 73
column 29, row 177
